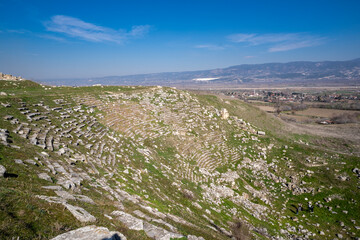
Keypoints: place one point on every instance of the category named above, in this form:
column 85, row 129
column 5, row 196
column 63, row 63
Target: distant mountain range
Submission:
column 269, row 74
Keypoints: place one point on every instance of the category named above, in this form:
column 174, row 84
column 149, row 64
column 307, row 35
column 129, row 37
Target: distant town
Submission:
column 307, row 95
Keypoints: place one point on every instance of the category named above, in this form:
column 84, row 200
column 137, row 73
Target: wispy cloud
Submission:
column 139, row 31
column 279, row 41
column 295, row 45
column 51, row 37
column 77, row 28
column 18, row 31
column 210, row 46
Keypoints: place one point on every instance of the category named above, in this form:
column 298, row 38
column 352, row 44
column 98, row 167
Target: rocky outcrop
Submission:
column 91, row 232
column 129, row 221
column 45, row 176
column 79, row 213
column 151, row 230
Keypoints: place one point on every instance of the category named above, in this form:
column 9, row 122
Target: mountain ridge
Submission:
column 297, row 72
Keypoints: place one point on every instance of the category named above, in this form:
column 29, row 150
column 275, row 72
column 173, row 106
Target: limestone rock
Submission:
column 52, row 187
column 69, row 182
column 51, row 199
column 45, row 176
column 260, row 132
column 151, row 230
column 84, row 198
column 159, row 233
column 2, row 170
column 30, row 161
column 343, row 178
column 130, row 221
column 150, row 219
column 18, row 161
column 224, row 113
column 65, row 195
column 192, row 237
column 153, row 211
column 91, row 232
column 79, row 213
column 8, row 117
column 179, row 220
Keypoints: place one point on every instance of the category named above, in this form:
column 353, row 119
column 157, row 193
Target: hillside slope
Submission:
column 161, row 163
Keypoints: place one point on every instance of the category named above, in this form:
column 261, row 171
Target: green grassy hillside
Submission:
column 168, row 160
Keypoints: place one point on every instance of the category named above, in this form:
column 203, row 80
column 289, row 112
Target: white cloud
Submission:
column 77, row 28
column 282, row 41
column 210, row 46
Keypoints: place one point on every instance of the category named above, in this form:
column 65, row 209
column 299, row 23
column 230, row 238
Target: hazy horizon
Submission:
column 180, row 71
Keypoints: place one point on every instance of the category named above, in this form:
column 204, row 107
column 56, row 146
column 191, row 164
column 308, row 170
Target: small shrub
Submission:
column 285, row 108
column 346, row 118
column 299, row 107
column 188, row 194
column 240, row 231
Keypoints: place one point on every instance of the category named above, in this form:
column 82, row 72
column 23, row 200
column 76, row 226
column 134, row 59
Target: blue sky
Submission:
column 75, row 39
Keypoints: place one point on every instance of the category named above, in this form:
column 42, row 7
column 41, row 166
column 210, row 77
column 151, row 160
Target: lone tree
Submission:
column 278, row 106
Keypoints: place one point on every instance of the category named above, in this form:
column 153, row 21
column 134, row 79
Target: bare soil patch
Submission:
column 266, row 108
column 323, row 112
